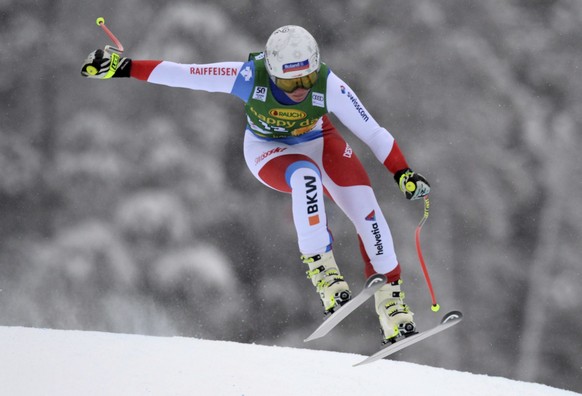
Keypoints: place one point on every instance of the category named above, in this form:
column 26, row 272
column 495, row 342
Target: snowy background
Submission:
column 127, row 207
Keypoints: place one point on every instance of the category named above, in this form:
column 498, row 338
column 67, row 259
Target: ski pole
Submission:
column 118, row 46
column 435, row 306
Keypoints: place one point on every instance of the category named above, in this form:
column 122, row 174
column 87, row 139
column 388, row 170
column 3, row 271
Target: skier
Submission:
column 290, row 145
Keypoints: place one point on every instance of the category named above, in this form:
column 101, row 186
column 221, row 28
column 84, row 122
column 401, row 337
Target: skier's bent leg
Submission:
column 351, row 189
column 313, row 236
column 377, row 248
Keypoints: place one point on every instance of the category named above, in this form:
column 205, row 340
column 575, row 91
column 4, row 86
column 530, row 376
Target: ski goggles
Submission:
column 291, row 84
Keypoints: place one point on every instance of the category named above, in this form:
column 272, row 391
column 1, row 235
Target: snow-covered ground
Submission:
column 74, row 363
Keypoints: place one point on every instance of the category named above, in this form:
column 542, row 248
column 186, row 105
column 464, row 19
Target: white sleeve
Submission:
column 346, row 106
column 212, row 77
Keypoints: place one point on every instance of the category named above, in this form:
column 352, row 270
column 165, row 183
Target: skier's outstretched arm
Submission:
column 345, row 104
column 214, row 77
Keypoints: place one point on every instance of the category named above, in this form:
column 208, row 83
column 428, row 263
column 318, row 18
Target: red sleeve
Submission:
column 141, row 69
column 395, row 160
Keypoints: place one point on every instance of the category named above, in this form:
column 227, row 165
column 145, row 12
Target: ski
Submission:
column 373, row 283
column 449, row 320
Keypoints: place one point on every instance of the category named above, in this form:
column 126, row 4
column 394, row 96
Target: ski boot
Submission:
column 325, row 276
column 395, row 316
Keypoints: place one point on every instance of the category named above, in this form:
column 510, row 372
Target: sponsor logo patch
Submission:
column 286, row 114
column 318, row 99
column 376, row 232
column 311, row 197
column 359, row 108
column 296, row 66
column 379, row 246
column 268, row 153
column 213, row 71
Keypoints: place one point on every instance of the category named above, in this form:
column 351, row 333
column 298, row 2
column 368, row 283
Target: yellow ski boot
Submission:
column 329, row 283
column 395, row 316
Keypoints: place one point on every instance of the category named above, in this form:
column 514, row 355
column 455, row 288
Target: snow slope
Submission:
column 75, row 363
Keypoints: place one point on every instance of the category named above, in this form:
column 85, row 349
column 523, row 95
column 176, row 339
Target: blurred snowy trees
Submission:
column 127, row 207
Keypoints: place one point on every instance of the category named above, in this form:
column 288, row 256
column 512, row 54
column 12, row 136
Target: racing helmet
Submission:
column 291, row 52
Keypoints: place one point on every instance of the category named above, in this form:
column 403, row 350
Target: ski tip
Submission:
column 452, row 316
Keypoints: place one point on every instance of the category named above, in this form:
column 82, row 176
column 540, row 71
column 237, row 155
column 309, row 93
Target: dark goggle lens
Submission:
column 291, row 84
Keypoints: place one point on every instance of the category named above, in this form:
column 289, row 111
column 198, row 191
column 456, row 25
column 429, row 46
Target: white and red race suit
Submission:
column 294, row 148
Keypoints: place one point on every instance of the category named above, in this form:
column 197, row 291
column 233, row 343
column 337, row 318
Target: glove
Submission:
column 105, row 64
column 413, row 185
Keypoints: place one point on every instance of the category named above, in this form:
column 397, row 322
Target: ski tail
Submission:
column 373, row 283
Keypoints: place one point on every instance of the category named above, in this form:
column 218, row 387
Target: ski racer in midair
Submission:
column 291, row 146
